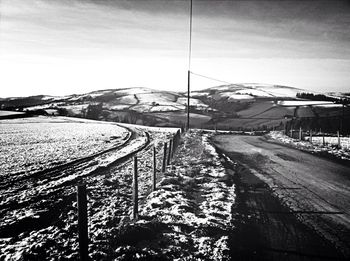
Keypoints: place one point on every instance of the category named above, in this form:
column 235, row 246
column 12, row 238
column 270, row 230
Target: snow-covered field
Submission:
column 306, row 103
column 252, row 90
column 38, row 211
column 9, row 113
column 330, row 146
column 331, row 141
column 33, row 144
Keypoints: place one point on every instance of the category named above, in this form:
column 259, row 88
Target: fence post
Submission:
column 323, row 140
column 164, row 157
column 174, row 142
column 173, row 147
column 154, row 179
column 169, row 151
column 310, row 136
column 339, row 144
column 177, row 138
column 83, row 222
column 135, row 191
column 291, row 133
column 300, row 134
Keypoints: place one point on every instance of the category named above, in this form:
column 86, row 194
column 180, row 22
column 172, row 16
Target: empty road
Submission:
column 316, row 190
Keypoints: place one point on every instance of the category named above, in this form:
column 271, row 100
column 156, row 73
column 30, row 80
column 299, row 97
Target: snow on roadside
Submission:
column 341, row 153
column 189, row 215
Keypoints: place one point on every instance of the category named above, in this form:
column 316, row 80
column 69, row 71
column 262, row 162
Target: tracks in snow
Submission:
column 36, row 201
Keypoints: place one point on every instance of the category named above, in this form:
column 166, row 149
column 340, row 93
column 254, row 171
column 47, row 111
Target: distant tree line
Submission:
column 321, row 97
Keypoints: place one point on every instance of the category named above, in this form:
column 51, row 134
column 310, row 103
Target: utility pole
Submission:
column 342, row 118
column 189, row 71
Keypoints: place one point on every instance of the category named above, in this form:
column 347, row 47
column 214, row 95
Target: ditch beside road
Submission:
column 290, row 204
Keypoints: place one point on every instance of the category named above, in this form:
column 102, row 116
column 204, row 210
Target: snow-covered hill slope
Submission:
column 146, row 106
column 249, row 91
column 139, row 99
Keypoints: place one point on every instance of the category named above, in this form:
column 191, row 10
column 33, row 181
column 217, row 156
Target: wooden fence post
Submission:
column 173, row 147
column 169, row 151
column 300, row 134
column 285, row 128
column 83, row 222
column 154, row 178
column 135, row 192
column 310, row 136
column 339, row 144
column 323, row 140
column 164, row 157
column 176, row 138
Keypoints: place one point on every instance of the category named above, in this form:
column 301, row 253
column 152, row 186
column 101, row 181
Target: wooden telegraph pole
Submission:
column 189, row 71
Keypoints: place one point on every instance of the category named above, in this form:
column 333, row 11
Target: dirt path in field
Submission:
column 277, row 187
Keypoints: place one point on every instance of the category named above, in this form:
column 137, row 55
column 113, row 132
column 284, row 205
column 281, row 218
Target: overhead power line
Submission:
column 210, row 78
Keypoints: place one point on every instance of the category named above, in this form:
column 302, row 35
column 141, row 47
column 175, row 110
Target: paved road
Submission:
column 316, row 189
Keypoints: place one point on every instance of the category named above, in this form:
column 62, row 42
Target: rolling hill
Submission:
column 235, row 106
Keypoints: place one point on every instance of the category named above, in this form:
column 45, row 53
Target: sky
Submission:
column 59, row 47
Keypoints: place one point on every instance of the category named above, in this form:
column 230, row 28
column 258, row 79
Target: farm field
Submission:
column 37, row 203
column 8, row 113
column 33, row 144
column 332, row 141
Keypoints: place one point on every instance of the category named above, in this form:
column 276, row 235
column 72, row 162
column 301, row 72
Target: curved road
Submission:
column 317, row 190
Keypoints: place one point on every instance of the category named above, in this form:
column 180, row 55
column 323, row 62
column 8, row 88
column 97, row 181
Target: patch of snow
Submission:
column 235, row 96
column 334, row 105
column 193, row 102
column 133, row 90
column 303, row 103
column 7, row 113
column 160, row 108
column 317, row 144
column 118, row 107
column 151, row 98
column 127, row 99
column 255, row 93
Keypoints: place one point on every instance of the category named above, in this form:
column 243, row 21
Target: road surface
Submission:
column 316, row 190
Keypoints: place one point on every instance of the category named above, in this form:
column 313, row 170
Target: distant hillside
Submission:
column 235, row 106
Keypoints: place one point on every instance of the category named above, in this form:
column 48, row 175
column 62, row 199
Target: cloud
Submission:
column 74, row 43
column 70, row 26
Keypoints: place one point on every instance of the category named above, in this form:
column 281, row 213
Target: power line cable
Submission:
column 211, row 78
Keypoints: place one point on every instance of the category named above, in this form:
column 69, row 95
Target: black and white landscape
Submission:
column 174, row 130
column 236, row 187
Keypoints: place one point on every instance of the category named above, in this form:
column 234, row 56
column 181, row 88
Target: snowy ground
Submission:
column 32, row 144
column 9, row 113
column 189, row 216
column 316, row 146
column 39, row 216
column 331, row 141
